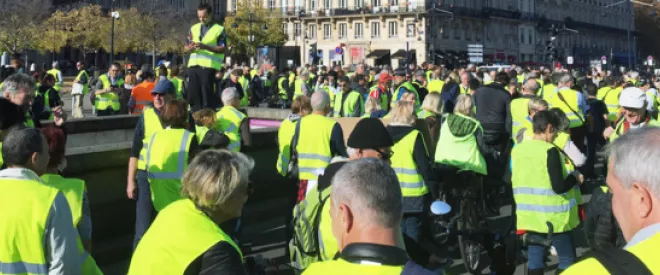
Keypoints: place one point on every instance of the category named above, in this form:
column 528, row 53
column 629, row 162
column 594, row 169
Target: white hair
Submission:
column 634, row 75
column 634, row 156
column 564, row 78
column 17, row 83
column 229, row 95
column 370, row 188
column 320, row 101
column 351, row 152
column 55, row 64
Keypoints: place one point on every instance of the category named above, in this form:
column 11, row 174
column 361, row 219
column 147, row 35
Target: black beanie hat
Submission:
column 369, row 133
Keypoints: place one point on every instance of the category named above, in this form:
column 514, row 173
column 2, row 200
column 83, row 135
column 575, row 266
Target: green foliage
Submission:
column 238, row 37
column 20, row 24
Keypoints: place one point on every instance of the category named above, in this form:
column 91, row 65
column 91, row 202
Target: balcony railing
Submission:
column 463, row 11
column 403, row 7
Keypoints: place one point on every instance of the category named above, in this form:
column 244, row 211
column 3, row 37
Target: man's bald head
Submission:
column 320, row 101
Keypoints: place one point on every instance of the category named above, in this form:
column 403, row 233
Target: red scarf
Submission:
column 626, row 125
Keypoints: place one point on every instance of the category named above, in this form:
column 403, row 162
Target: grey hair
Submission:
column 634, row 75
column 350, row 151
column 371, row 189
column 320, row 101
column 532, row 85
column 228, row 95
column 633, row 156
column 18, row 83
column 564, row 78
column 464, row 105
column 215, row 176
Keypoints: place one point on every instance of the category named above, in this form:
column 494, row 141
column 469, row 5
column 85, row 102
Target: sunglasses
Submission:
column 386, row 155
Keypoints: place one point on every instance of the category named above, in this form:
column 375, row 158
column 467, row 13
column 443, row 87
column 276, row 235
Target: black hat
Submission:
column 369, row 133
column 399, row 72
column 345, row 79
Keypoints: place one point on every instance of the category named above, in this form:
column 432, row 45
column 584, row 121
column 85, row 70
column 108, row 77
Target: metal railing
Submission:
column 402, row 7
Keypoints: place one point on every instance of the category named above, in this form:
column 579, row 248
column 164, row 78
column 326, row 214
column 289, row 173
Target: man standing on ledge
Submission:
column 206, row 45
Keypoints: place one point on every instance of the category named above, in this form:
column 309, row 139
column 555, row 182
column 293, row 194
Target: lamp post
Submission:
column 114, row 15
column 250, row 20
column 629, row 29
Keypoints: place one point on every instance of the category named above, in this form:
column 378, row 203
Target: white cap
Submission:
column 632, row 97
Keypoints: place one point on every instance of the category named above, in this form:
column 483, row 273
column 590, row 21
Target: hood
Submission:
column 460, row 126
column 293, row 117
column 398, row 132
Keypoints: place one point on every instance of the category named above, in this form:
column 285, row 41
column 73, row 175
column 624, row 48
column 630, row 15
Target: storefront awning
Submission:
column 378, row 53
column 401, row 54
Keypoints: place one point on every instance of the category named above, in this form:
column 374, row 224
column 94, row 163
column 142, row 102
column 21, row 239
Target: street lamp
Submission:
column 114, row 15
column 251, row 19
column 632, row 16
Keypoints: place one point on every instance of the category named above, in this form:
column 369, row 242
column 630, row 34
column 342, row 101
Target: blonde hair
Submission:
column 371, row 105
column 214, row 177
column 453, row 76
column 205, row 117
column 463, row 105
column 537, row 104
column 403, row 113
column 432, row 103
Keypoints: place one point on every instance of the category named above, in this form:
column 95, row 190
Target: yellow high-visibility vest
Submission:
column 403, row 163
column 152, row 125
column 229, row 120
column 205, row 58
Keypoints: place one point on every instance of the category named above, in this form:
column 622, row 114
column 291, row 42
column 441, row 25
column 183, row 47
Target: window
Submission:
column 522, row 36
column 296, row 29
column 529, row 36
column 343, row 30
column 343, row 4
column 271, row 4
column 327, row 4
column 359, row 28
column 233, row 5
column 216, row 6
column 327, row 32
column 477, row 34
column 445, row 30
column 392, row 29
column 375, row 29
column 410, row 30
column 312, row 5
column 468, row 34
column 359, row 3
column 457, row 32
column 312, row 31
column 285, row 29
column 376, row 3
column 394, row 3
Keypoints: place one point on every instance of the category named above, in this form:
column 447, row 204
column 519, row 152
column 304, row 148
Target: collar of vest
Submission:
column 383, row 254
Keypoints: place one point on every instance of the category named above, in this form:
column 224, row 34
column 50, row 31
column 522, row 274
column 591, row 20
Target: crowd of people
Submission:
column 360, row 205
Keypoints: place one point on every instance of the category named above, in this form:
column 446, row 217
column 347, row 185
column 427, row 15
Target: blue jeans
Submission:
column 144, row 208
column 411, row 226
column 563, row 243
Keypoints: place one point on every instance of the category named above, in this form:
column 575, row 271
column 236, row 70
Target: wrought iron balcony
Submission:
column 302, row 12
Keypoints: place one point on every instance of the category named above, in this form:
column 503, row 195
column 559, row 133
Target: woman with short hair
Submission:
column 186, row 237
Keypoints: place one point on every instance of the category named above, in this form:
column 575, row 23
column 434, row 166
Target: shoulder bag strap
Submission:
column 621, row 262
column 561, row 97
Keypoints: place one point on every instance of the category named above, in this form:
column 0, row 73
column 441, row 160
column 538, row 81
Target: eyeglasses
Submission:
column 386, row 155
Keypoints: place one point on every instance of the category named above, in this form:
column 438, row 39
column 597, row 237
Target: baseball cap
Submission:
column 420, row 73
column 344, row 79
column 632, row 97
column 163, row 87
column 384, row 77
column 399, row 72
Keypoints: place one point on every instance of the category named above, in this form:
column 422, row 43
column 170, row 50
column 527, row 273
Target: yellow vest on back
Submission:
column 519, row 114
column 646, row 251
column 179, row 235
column 284, row 135
column 167, row 159
column 403, row 163
column 229, row 120
column 152, row 125
column 204, row 58
column 56, row 74
column 610, row 96
column 435, row 86
column 560, row 141
column 536, row 202
column 569, row 106
column 22, row 229
column 313, row 147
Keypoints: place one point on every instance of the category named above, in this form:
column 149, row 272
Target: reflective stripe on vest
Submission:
column 403, row 163
column 228, row 120
column 352, row 99
column 568, row 107
column 166, row 164
column 205, row 58
column 313, row 146
column 519, row 113
column 22, row 268
column 152, row 125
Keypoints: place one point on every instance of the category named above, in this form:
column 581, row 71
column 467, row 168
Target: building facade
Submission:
column 510, row 31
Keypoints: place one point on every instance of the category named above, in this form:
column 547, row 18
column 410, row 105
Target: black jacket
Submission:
column 222, row 258
column 600, row 227
column 493, row 104
column 39, row 105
